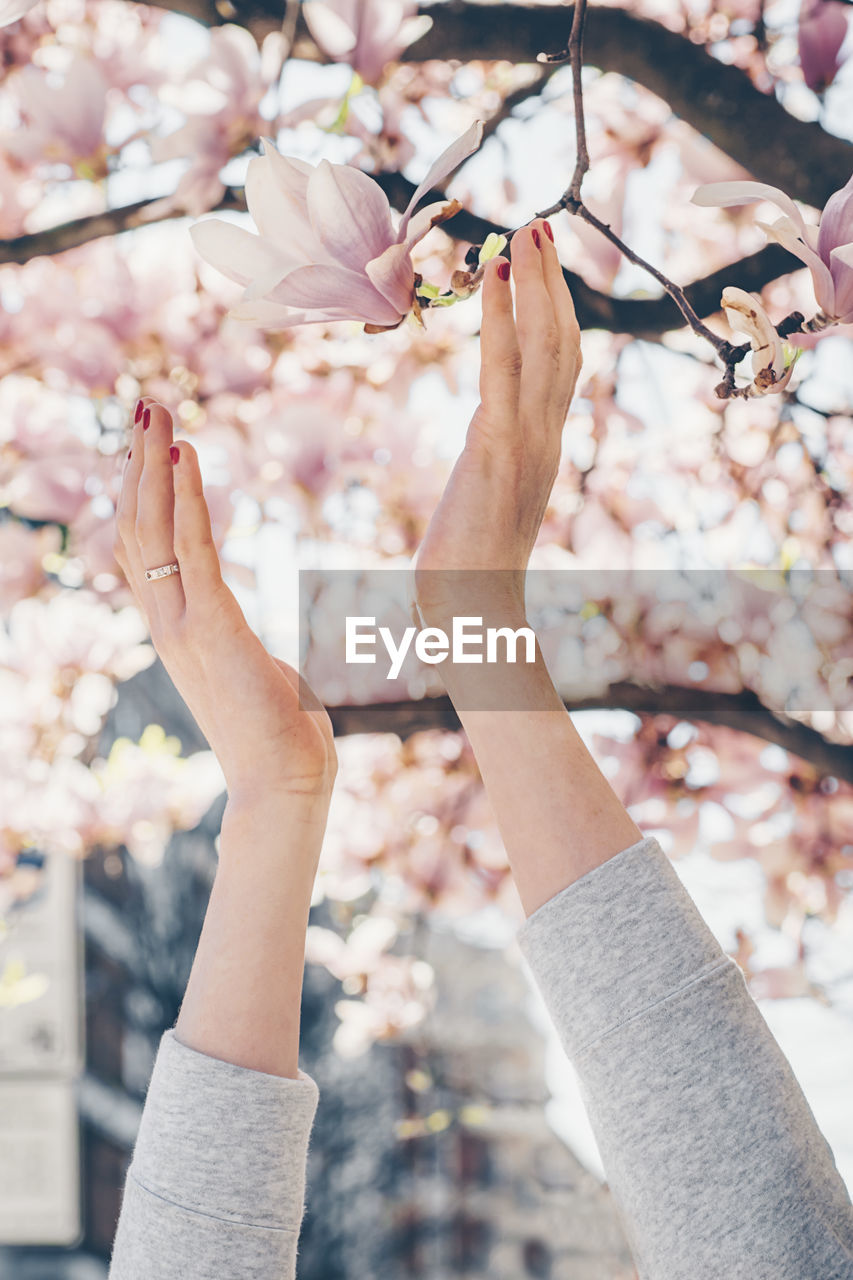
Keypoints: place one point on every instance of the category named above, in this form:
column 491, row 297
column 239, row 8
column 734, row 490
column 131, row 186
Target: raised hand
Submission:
column 245, row 701
column 490, row 514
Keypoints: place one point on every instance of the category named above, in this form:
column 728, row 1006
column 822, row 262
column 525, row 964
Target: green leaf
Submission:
column 791, row 354
column 492, row 246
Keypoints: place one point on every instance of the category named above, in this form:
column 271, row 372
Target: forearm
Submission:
column 217, row 1181
column 558, row 815
column 243, row 996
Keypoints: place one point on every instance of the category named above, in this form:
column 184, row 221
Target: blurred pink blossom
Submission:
column 367, row 34
column 822, row 31
column 22, row 551
column 327, row 248
column 826, row 250
column 146, row 790
column 62, row 124
column 220, row 98
column 12, row 10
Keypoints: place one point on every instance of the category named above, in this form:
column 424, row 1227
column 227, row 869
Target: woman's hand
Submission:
column 490, row 514
column 246, row 702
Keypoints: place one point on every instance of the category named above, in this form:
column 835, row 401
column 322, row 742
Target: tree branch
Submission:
column 741, row 711
column 719, row 101
column 70, row 235
column 644, row 318
column 572, row 200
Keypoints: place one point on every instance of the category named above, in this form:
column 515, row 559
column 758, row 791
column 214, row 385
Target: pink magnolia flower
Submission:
column 327, row 248
column 822, row 30
column 12, row 10
column 826, row 250
column 367, row 34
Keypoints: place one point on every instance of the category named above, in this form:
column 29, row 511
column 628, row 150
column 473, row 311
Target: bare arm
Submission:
column 710, row 1149
column 217, row 1181
column 558, row 815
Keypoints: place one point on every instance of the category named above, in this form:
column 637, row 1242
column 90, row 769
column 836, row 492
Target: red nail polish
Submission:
column 146, row 419
column 536, row 239
column 174, row 453
column 503, row 270
column 139, row 407
column 548, row 232
column 129, row 452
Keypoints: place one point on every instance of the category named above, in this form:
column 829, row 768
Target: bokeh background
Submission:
column 450, row 1139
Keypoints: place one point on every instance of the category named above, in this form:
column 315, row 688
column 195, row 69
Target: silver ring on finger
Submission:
column 163, row 571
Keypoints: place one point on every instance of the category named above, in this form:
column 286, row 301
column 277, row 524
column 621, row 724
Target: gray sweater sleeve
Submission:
column 712, row 1154
column 216, row 1187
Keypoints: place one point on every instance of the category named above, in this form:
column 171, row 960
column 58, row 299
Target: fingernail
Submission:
column 139, row 407
column 146, row 419
column 174, row 453
column 503, row 270
column 129, row 452
column 548, row 232
column 536, row 239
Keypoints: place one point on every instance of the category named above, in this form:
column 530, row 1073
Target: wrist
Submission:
column 258, row 814
column 495, row 595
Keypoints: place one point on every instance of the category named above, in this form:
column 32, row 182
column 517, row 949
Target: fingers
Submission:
column 195, row 549
column 539, row 333
column 560, row 295
column 155, row 503
column 162, row 518
column 125, row 547
column 500, row 355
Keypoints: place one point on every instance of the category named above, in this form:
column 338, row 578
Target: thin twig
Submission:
column 723, row 348
column 572, row 202
column 576, row 58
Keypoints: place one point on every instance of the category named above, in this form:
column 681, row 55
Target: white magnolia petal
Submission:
column 423, row 221
column 272, row 315
column 841, row 260
column 332, row 33
column 290, row 177
column 278, row 216
column 350, row 214
column 238, row 254
column 836, row 221
column 291, row 174
column 725, row 194
column 323, row 287
column 746, row 314
column 267, row 315
column 393, row 275
column 449, row 160
column 785, row 233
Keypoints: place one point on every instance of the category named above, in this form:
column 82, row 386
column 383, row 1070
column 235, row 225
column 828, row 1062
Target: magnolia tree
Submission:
column 317, row 338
